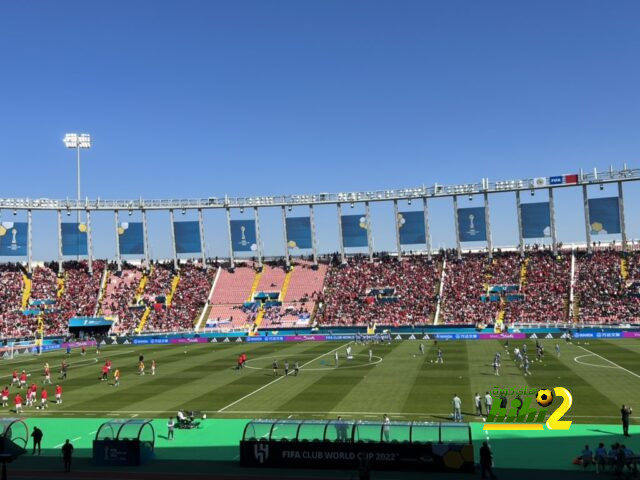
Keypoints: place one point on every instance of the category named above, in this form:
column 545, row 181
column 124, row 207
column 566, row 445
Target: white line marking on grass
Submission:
column 280, row 378
column 91, row 433
column 577, row 360
column 612, row 363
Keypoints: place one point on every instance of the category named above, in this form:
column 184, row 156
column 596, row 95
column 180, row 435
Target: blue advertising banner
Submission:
column 89, row 322
column 354, row 230
column 604, row 214
column 243, row 236
column 471, row 224
column 411, row 226
column 131, row 238
column 13, row 239
column 299, row 232
column 187, row 237
column 74, row 238
column 536, row 220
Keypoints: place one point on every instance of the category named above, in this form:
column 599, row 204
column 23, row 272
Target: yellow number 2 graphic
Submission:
column 554, row 422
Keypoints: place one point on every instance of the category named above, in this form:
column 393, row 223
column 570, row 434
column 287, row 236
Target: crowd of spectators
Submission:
column 546, row 289
column 465, row 281
column 120, row 296
column 188, row 300
column 11, row 286
column 44, row 282
column 600, row 290
column 347, row 301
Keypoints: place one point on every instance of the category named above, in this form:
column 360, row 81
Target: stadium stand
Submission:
column 120, row 295
column 602, row 296
column 11, row 288
column 186, row 303
column 384, row 292
column 228, row 297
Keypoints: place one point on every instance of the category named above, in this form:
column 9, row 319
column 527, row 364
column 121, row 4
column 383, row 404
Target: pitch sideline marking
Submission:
column 607, row 360
column 280, row 378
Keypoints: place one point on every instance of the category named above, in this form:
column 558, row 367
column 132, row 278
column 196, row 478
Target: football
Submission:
column 544, row 397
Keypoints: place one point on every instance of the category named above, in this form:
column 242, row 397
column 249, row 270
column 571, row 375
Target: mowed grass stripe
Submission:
column 202, row 384
column 243, row 383
column 325, row 390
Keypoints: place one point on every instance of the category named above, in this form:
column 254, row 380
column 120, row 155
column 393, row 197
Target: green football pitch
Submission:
column 399, row 381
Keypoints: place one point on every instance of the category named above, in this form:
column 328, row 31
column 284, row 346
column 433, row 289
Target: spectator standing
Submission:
column 37, row 440
column 626, row 412
column 386, row 423
column 170, row 425
column 486, row 461
column 67, row 453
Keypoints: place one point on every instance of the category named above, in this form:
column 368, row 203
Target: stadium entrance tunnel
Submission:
column 124, row 442
column 342, row 444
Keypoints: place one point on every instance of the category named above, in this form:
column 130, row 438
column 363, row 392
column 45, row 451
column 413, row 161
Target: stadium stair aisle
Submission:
column 254, row 286
column 624, row 269
column 285, row 285
column 61, row 281
column 256, row 324
column 523, row 273
column 174, row 285
column 142, row 285
column 143, row 320
column 103, row 289
column 26, row 291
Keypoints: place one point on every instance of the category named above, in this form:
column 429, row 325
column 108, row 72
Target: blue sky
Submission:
column 206, row 98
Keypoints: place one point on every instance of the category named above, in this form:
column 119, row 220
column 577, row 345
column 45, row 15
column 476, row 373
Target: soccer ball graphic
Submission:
column 544, row 397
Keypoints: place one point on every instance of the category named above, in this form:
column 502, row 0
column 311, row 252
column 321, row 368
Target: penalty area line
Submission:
column 607, row 360
column 280, row 378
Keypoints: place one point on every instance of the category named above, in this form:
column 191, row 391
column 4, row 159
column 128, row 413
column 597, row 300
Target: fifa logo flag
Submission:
column 298, row 232
column 13, row 239
column 471, row 224
column 604, row 215
column 243, row 236
column 354, row 230
column 131, row 238
column 536, row 220
column 74, row 238
column 187, row 235
column 411, row 228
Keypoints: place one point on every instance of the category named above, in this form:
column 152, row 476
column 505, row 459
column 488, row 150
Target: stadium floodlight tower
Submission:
column 77, row 141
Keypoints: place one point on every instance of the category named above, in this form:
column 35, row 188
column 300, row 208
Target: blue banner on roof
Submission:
column 13, row 239
column 354, row 230
column 187, row 236
column 243, row 236
column 131, row 238
column 298, row 232
column 536, row 220
column 74, row 238
column 411, row 227
column 471, row 224
column 604, row 215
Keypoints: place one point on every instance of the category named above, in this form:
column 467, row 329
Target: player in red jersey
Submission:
column 58, row 394
column 43, row 398
column 16, row 379
column 18, row 403
column 47, row 374
column 105, row 373
column 23, row 379
column 5, row 396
